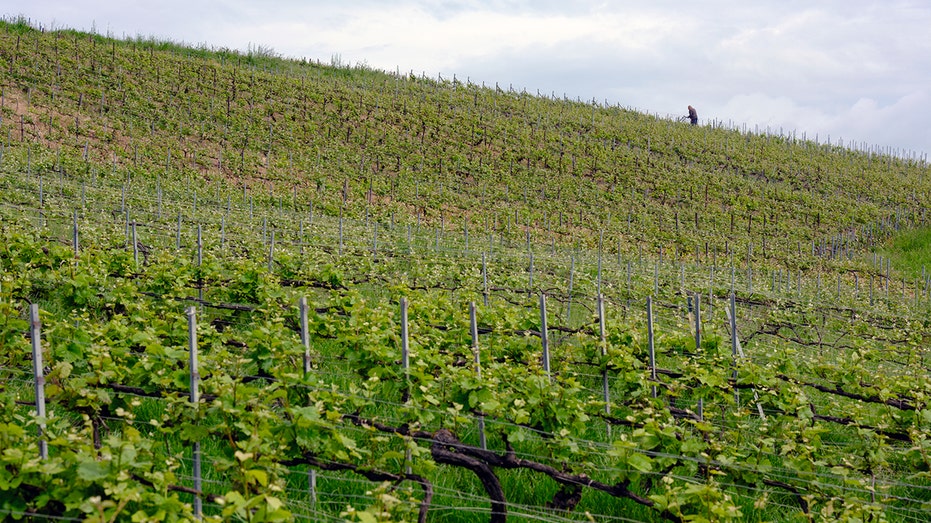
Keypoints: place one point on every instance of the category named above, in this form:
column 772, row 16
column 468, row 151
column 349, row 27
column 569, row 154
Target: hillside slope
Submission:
column 441, row 151
column 253, row 289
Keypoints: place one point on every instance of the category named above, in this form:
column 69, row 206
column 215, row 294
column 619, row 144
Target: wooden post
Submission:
column 405, row 363
column 530, row 278
column 738, row 351
column 650, row 343
column 656, row 277
column 340, row 232
column 305, row 341
column 38, row 370
column 135, row 245
column 604, row 352
column 312, row 487
column 544, row 338
column 732, row 318
column 405, row 347
column 473, row 330
column 271, row 254
column 711, row 294
column 484, row 280
column 571, row 281
column 697, row 299
column 600, row 240
column 305, row 333
column 74, row 234
column 200, row 261
column 195, row 399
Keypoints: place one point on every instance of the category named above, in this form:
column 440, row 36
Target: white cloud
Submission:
column 866, row 120
column 410, row 36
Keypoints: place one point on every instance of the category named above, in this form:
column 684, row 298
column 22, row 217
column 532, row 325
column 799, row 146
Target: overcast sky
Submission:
column 852, row 69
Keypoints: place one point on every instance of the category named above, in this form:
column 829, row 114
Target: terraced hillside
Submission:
column 245, row 288
column 442, row 150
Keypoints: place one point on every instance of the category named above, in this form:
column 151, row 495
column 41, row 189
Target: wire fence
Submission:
column 397, row 406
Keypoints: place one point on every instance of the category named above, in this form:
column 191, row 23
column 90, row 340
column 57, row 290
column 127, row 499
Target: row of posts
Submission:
column 777, row 276
column 737, row 352
column 271, row 247
column 124, row 209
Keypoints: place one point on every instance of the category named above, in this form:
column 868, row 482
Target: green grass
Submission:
column 910, row 251
column 578, row 186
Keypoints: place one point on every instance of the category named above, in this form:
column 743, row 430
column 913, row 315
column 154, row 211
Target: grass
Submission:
column 576, row 185
column 910, row 251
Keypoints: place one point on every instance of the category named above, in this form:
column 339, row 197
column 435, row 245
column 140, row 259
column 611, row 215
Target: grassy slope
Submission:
column 442, row 151
column 438, row 151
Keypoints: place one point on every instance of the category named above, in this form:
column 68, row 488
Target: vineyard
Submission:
column 238, row 287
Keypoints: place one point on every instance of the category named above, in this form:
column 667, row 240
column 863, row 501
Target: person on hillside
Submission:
column 693, row 115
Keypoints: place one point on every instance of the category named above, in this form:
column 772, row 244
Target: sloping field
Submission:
column 244, row 288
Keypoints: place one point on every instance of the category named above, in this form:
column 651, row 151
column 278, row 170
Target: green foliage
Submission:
column 377, row 187
column 910, row 252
